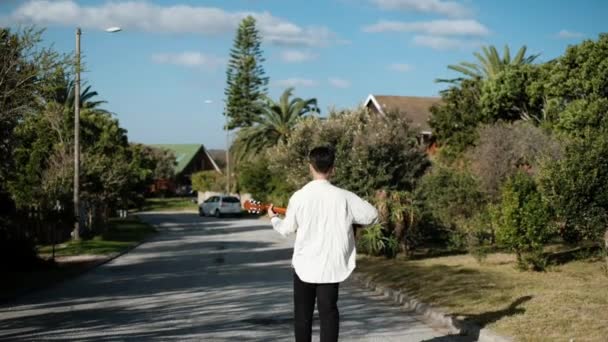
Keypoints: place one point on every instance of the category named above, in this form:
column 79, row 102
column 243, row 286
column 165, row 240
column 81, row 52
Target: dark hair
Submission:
column 322, row 158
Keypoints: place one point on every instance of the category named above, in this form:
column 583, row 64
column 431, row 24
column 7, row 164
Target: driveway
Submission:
column 200, row 279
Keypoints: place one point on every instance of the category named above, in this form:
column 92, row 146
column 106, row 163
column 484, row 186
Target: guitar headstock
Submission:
column 254, row 207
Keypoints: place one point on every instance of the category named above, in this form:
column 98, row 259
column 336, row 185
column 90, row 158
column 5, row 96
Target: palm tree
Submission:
column 490, row 63
column 274, row 125
column 63, row 93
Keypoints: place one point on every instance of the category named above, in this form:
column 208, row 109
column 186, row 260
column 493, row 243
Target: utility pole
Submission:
column 76, row 232
column 227, row 154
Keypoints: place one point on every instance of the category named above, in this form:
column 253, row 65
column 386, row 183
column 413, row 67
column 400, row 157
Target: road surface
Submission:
column 199, row 279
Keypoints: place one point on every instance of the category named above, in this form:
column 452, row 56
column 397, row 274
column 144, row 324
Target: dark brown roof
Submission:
column 416, row 109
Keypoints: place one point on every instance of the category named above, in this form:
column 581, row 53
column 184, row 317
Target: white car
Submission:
column 220, row 205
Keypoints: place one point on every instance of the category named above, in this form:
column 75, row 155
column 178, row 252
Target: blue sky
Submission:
column 160, row 73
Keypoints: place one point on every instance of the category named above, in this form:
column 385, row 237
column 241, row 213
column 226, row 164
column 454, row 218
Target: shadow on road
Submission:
column 200, row 279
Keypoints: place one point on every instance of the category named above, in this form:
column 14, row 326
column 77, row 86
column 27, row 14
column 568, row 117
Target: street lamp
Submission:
column 227, row 151
column 76, row 232
column 113, row 29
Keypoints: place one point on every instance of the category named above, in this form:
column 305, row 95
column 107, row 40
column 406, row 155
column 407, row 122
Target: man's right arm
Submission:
column 362, row 212
column 289, row 224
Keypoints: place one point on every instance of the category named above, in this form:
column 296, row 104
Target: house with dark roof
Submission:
column 190, row 159
column 417, row 110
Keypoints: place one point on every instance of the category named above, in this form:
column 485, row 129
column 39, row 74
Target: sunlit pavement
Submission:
column 200, row 279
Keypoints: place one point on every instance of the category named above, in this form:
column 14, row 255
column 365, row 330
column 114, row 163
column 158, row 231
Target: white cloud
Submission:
column 189, row 59
column 338, row 82
column 297, row 56
column 447, row 27
column 296, row 82
column 148, row 17
column 401, row 67
column 444, row 43
column 448, row 8
column 565, row 34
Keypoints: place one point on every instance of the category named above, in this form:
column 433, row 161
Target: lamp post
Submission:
column 76, row 232
column 227, row 151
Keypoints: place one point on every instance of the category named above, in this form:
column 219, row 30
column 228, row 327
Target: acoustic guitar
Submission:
column 256, row 207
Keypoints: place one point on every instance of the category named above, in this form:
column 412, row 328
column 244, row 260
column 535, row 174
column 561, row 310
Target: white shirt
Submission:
column 323, row 215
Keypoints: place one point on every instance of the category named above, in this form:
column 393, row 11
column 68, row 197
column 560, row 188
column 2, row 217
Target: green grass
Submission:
column 121, row 234
column 567, row 301
column 169, row 204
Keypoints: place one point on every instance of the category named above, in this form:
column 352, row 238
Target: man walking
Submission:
column 324, row 251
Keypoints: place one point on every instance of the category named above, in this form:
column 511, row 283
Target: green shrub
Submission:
column 577, row 187
column 480, row 233
column 373, row 151
column 451, row 198
column 375, row 241
column 371, row 240
column 455, row 120
column 522, row 220
column 208, row 181
column 404, row 218
column 254, row 178
column 391, row 246
column 281, row 190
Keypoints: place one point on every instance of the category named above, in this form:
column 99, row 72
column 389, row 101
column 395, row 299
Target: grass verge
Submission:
column 170, row 204
column 567, row 302
column 121, row 235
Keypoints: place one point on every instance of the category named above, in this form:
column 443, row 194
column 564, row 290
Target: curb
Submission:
column 407, row 302
column 113, row 256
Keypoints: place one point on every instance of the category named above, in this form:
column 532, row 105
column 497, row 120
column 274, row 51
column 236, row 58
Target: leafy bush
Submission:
column 506, row 96
column 522, row 220
column 451, row 196
column 374, row 240
column 391, row 246
column 208, row 181
column 583, row 117
column 454, row 121
column 371, row 240
column 255, row 177
column 405, row 215
column 577, row 186
column 372, row 151
column 480, row 233
column 579, row 73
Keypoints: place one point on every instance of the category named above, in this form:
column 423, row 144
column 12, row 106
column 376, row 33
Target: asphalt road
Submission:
column 200, row 279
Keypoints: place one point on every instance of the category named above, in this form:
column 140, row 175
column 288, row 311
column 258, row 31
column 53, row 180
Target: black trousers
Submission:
column 326, row 296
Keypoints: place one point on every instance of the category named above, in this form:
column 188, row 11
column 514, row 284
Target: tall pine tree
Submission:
column 246, row 83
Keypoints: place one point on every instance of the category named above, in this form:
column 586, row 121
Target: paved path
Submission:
column 200, row 279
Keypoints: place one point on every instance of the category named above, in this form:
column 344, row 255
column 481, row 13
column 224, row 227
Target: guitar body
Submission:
column 256, row 207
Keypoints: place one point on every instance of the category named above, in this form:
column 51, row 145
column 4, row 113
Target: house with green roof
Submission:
column 190, row 158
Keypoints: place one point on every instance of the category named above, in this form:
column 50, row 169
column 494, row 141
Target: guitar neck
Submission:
column 278, row 210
